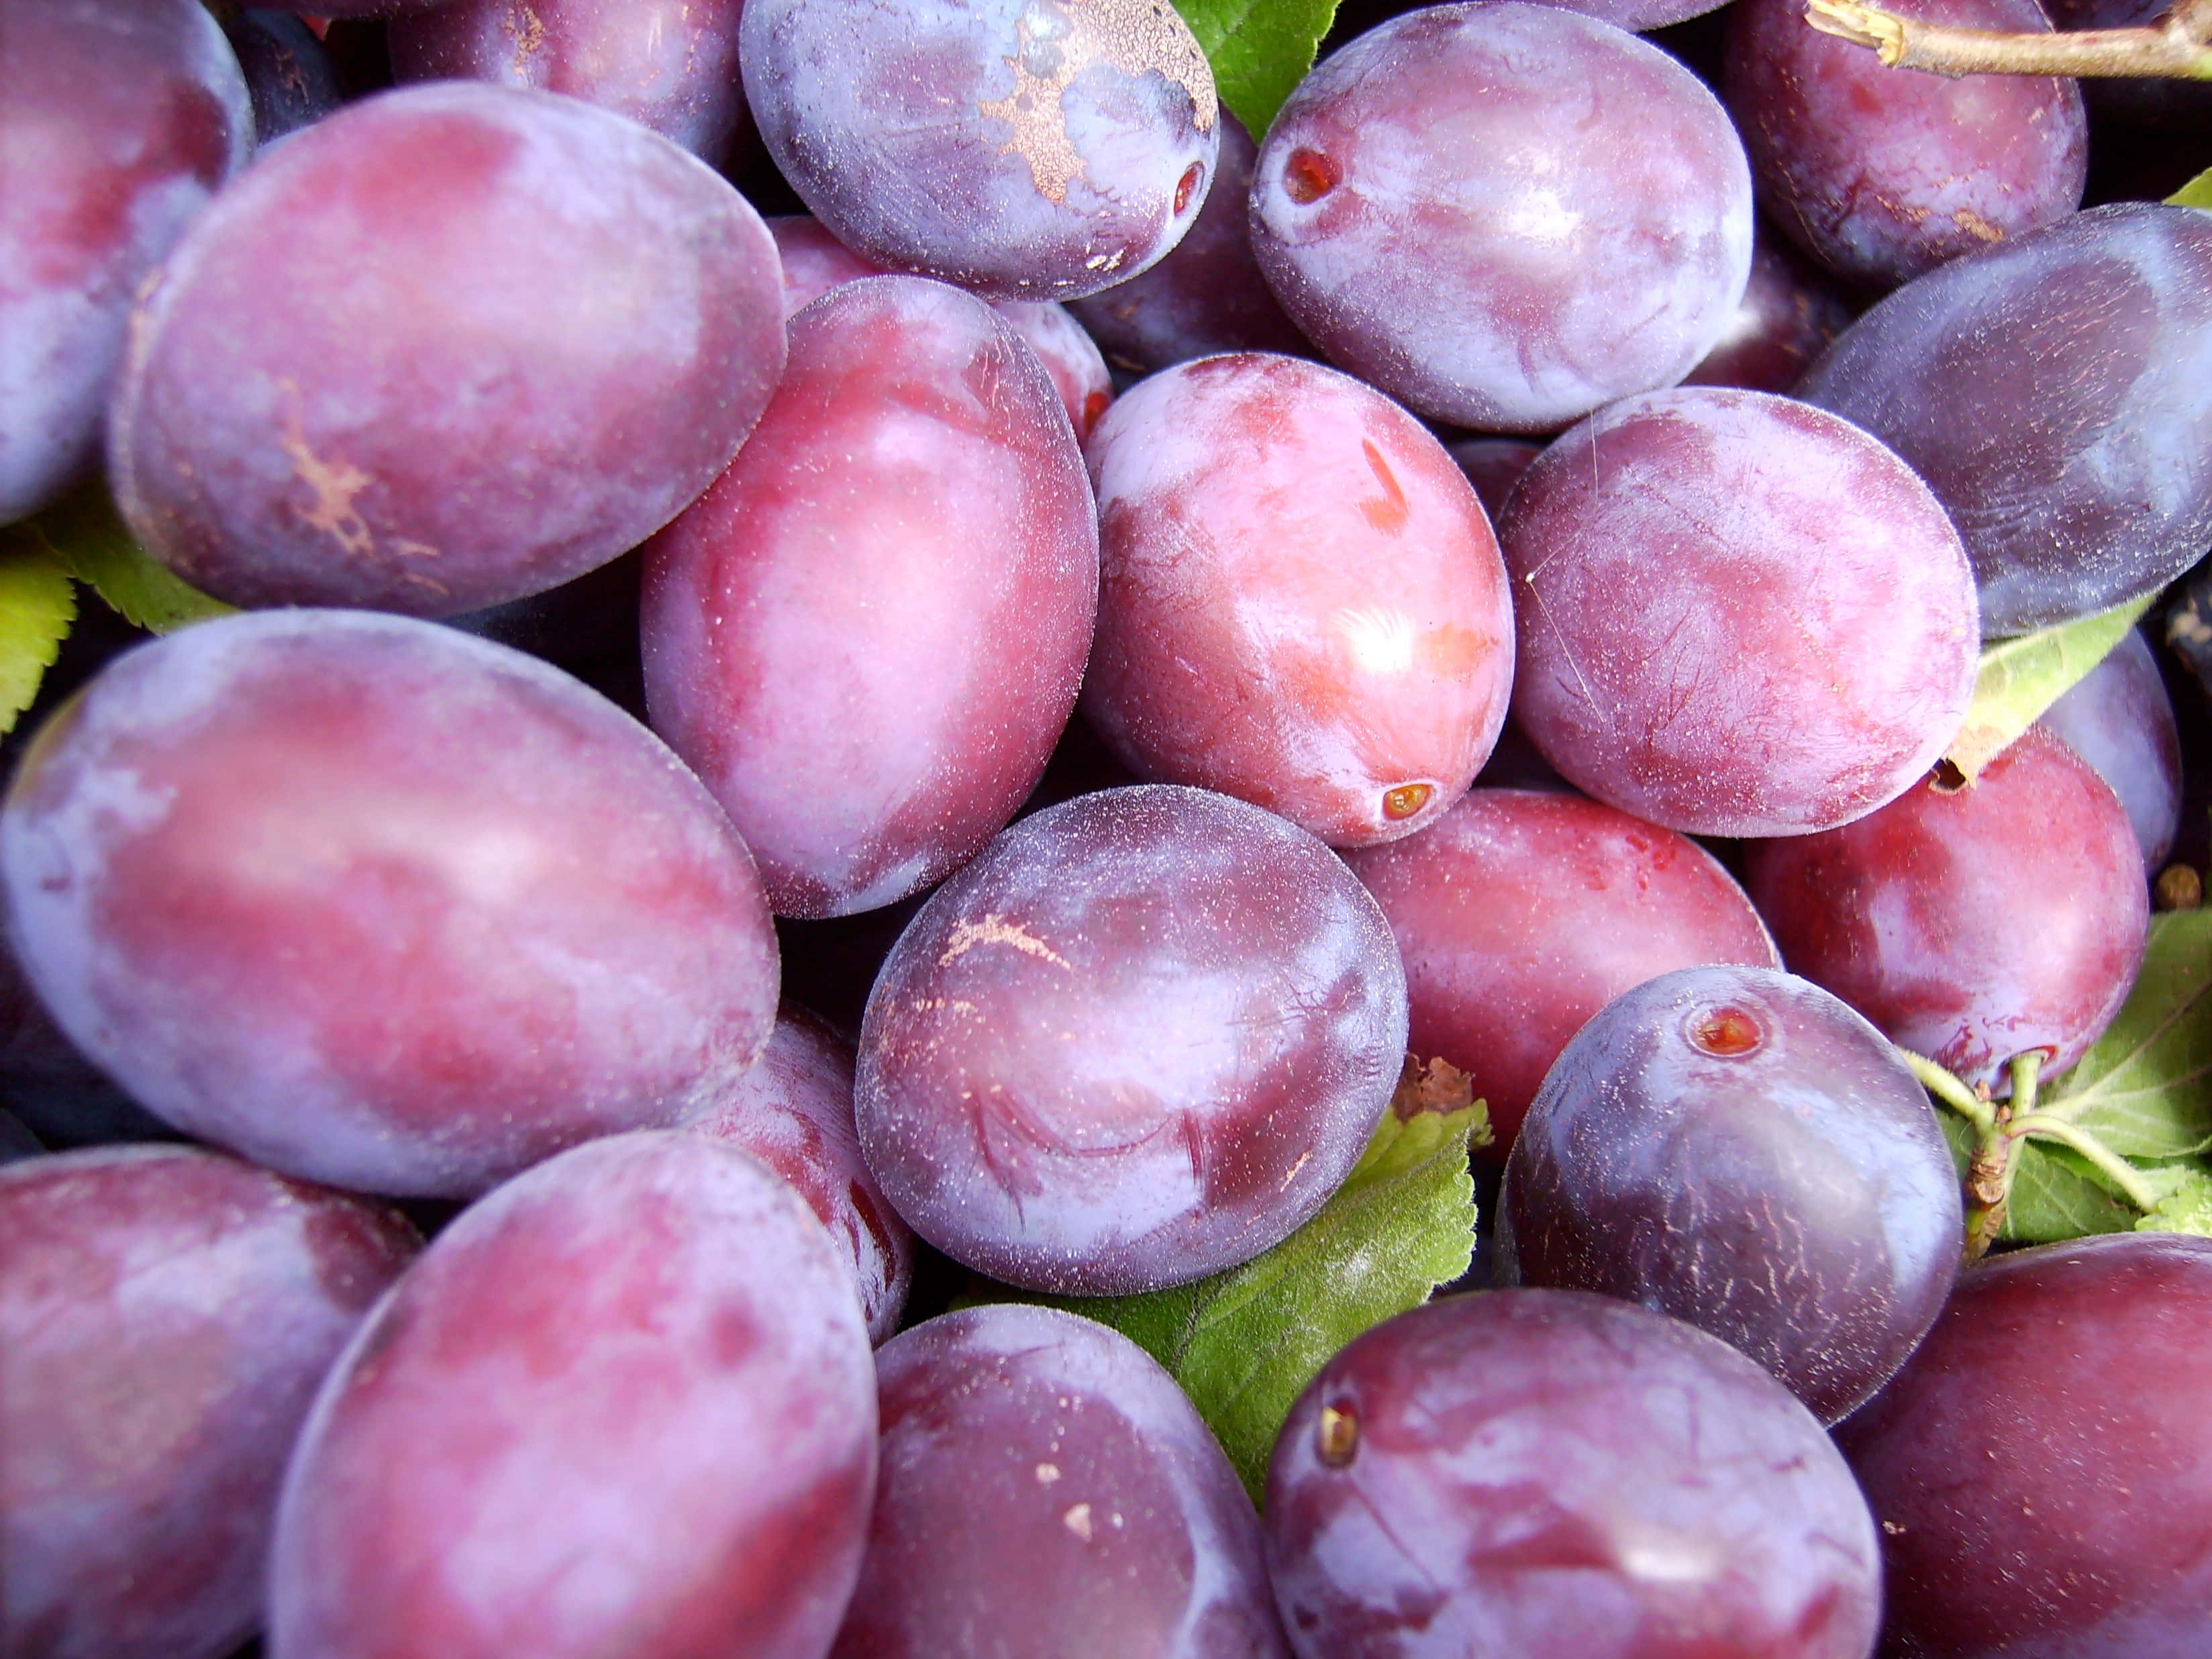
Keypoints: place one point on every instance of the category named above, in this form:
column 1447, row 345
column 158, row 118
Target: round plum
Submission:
column 446, row 348
column 2118, row 718
column 1301, row 603
column 1141, row 1038
column 1682, row 657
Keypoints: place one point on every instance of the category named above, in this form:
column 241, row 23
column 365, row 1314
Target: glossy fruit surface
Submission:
column 1045, row 1488
column 343, row 390
column 2076, row 1523
column 2119, row 719
column 1736, row 1147
column 1142, row 1036
column 1974, row 926
column 1528, row 1473
column 1679, row 656
column 375, row 902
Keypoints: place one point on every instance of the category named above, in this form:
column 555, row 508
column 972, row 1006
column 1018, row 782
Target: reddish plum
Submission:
column 828, row 631
column 1684, row 659
column 1141, row 1038
column 2118, row 718
column 1504, row 214
column 165, row 1315
column 1301, row 603
column 119, row 119
column 1522, row 913
column 622, row 1405
column 793, row 1111
column 1045, row 1488
column 1787, row 318
column 1493, row 466
column 376, row 902
column 446, row 348
column 1974, row 926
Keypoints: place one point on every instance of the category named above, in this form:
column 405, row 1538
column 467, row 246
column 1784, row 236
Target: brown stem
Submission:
column 2180, row 46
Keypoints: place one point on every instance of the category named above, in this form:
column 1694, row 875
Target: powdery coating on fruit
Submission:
column 814, row 262
column 449, row 346
column 1637, row 16
column 1025, row 149
column 1533, row 214
column 1522, row 913
column 375, row 902
column 1543, row 1472
column 867, row 636
column 64, row 1097
column 793, row 1111
column 353, row 8
column 165, row 1314
column 2056, row 392
column 1207, row 296
column 1141, row 1038
column 1880, row 176
column 1046, row 1487
column 1974, row 926
column 1300, row 602
column 119, row 119
column 1788, row 317
column 625, row 1404
column 670, row 65
column 1493, row 466
column 2118, row 718
column 1736, row 1148
column 2077, row 1520
column 1738, row 616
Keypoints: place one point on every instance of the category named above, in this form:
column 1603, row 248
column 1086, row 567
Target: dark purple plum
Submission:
column 44, row 1080
column 1493, row 466
column 1141, row 1038
column 1207, row 296
column 1529, row 1474
column 793, row 1111
column 1524, row 912
column 1975, row 926
column 1880, row 176
column 1025, row 149
column 1788, row 317
column 622, row 1405
column 1638, row 15
column 166, row 1316
column 1301, row 603
column 1045, row 1487
column 2056, row 392
column 814, row 262
column 16, row 1141
column 446, row 348
column 375, row 902
column 2118, row 718
column 671, row 67
column 1736, row 1147
column 1683, row 659
column 118, row 118
column 828, row 631
column 288, row 70
column 1504, row 214
column 2075, row 1520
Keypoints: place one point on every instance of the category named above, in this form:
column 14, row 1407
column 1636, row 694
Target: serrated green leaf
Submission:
column 2186, row 1207
column 1244, row 1344
column 38, row 603
column 88, row 536
column 2145, row 1087
column 1260, row 50
column 2055, row 1194
column 2020, row 678
column 2197, row 193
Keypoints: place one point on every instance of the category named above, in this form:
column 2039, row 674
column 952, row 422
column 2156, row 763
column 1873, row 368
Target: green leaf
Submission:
column 38, row 603
column 1260, row 50
column 86, row 535
column 2197, row 193
column 1244, row 1343
column 2020, row 678
column 2145, row 1087
column 2186, row 1209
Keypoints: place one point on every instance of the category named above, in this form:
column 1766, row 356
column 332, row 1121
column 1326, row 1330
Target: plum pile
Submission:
column 904, row 697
